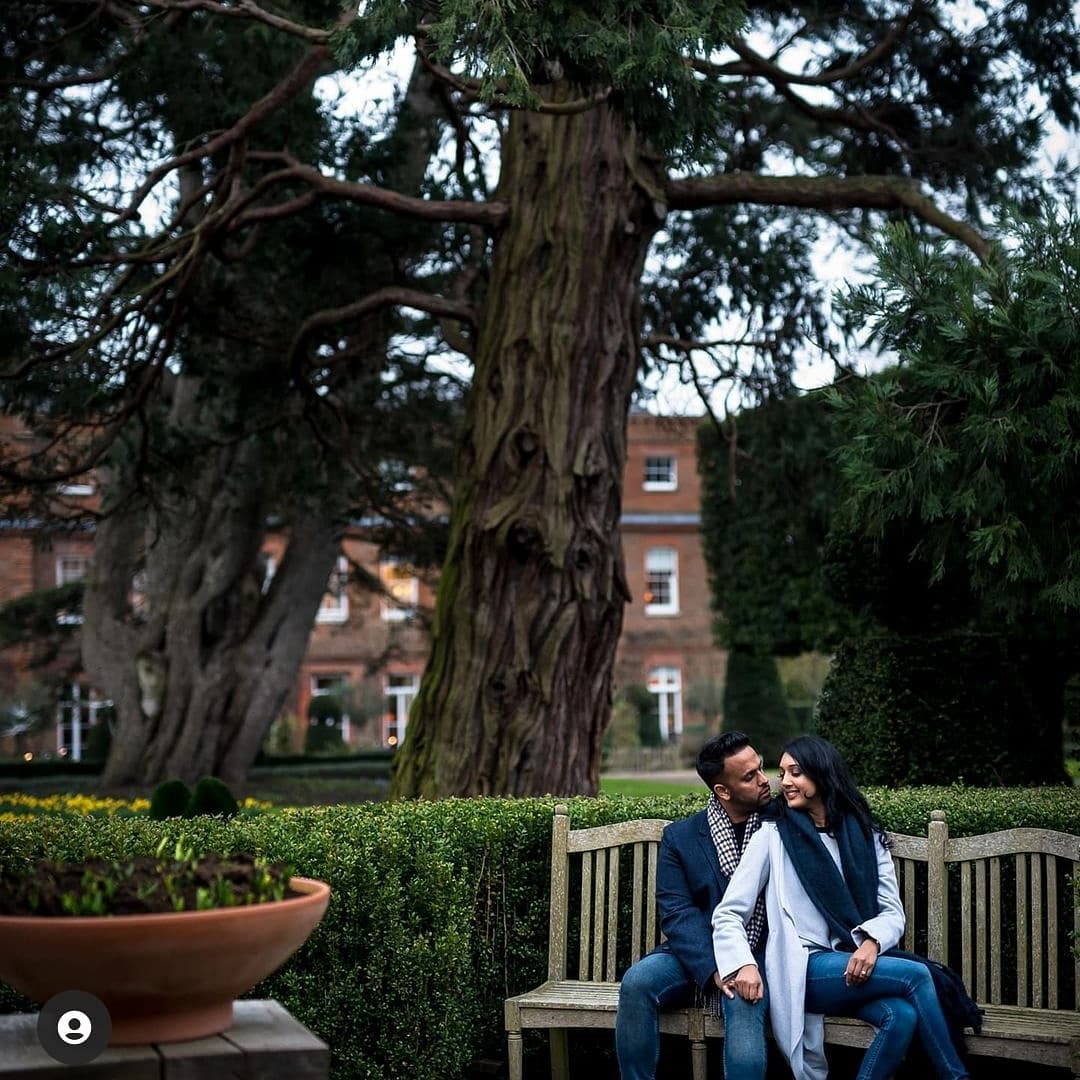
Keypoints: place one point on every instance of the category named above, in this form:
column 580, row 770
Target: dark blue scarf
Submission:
column 849, row 899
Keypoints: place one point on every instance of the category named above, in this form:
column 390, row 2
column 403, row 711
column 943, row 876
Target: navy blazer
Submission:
column 689, row 885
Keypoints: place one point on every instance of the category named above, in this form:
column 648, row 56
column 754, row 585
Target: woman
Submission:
column 834, row 913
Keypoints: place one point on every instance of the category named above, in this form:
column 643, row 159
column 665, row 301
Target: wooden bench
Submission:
column 1009, row 894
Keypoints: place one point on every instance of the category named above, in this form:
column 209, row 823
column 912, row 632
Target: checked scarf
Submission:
column 728, row 852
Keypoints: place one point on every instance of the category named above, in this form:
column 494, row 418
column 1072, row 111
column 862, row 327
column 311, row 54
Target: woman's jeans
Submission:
column 898, row 999
column 658, row 981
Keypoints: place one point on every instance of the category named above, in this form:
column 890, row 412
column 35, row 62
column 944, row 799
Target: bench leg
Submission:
column 698, row 1064
column 560, row 1054
column 513, row 1046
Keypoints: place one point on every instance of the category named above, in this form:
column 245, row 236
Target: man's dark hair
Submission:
column 713, row 755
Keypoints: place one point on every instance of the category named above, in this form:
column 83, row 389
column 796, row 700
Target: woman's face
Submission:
column 797, row 789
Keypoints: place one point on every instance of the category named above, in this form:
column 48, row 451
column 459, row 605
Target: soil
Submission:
column 137, row 893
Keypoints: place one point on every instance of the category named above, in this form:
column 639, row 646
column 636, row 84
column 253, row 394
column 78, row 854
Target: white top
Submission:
column 795, row 926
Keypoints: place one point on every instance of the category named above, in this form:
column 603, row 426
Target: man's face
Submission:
column 744, row 787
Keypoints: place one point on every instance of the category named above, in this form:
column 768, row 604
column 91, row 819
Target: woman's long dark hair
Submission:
column 822, row 763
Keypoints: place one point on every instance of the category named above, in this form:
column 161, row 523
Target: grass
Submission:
column 634, row 787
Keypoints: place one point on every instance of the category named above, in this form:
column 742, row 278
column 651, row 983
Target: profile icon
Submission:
column 74, row 1027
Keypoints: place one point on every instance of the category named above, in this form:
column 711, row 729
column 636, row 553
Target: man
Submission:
column 698, row 855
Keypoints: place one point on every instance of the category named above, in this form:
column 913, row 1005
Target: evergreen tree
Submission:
column 619, row 116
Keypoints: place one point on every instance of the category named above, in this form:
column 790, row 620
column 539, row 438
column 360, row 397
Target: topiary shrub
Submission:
column 940, row 709
column 211, row 796
column 324, row 734
column 754, row 702
column 170, row 799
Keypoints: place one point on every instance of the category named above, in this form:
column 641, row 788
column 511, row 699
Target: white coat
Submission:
column 792, row 916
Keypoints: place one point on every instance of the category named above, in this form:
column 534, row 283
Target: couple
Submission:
column 789, row 906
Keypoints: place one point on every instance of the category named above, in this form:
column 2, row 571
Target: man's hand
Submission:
column 746, row 982
column 861, row 965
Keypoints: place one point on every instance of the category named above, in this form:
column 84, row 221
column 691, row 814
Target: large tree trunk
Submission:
column 200, row 667
column 517, row 690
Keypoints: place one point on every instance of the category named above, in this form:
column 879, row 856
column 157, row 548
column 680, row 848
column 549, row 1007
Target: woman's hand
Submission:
column 861, row 965
column 746, row 982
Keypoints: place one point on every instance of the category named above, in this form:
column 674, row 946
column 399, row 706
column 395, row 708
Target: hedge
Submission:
column 916, row 710
column 440, row 910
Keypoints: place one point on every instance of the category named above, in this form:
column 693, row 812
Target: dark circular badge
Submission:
column 74, row 1027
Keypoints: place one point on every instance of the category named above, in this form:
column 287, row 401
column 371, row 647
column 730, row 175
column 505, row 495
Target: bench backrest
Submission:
column 1009, row 893
column 612, row 868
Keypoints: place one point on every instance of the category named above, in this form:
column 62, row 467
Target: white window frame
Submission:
column 666, row 684
column 655, row 558
column 399, row 700
column 84, row 703
column 337, row 680
column 334, row 608
column 671, row 484
column 392, row 607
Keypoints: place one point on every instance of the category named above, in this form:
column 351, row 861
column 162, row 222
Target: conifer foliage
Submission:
column 147, row 176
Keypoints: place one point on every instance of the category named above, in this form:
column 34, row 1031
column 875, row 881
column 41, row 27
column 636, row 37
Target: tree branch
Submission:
column 762, row 66
column 478, row 213
column 390, row 296
column 823, row 193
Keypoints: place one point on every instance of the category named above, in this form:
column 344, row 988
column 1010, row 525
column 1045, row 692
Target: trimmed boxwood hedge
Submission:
column 440, row 910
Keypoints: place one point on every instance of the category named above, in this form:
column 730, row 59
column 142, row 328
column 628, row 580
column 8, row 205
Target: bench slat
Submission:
column 1013, row 842
column 585, row 944
column 1022, row 928
column 599, row 881
column 1051, row 933
column 622, row 832
column 638, row 900
column 966, row 871
column 909, row 904
column 612, row 913
column 982, row 968
column 1036, row 931
column 995, row 930
column 650, row 910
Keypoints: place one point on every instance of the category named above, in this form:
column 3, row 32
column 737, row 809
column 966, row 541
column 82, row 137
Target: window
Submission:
column 335, row 603
column 400, row 693
column 660, row 474
column 666, row 684
column 337, row 684
column 76, row 489
column 661, row 581
column 402, row 590
column 76, row 712
column 69, row 569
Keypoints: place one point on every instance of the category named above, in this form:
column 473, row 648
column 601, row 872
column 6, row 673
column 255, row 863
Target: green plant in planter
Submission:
column 175, row 879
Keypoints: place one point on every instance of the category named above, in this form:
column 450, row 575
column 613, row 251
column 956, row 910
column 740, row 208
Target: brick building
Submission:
column 369, row 649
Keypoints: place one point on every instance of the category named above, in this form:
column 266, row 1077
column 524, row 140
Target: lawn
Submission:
column 645, row 786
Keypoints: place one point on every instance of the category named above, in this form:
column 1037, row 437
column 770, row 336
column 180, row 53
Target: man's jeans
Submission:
column 657, row 981
column 898, row 999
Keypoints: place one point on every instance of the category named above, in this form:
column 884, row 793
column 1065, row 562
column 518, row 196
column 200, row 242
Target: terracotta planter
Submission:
column 163, row 978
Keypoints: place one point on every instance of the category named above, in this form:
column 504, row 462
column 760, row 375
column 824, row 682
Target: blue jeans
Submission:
column 898, row 998
column 657, row 981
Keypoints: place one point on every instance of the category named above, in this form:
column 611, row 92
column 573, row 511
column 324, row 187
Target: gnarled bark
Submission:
column 200, row 668
column 518, row 687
